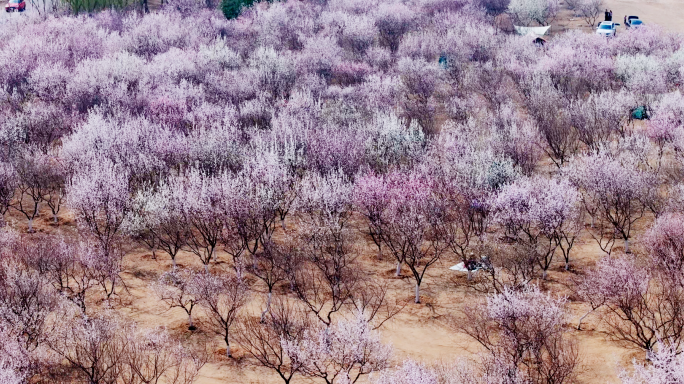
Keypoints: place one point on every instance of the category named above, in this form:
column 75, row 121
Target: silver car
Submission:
column 636, row 23
column 606, row 28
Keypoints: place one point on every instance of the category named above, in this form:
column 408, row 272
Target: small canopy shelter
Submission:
column 538, row 31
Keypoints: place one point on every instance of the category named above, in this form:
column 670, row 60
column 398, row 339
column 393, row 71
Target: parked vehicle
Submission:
column 628, row 21
column 15, row 5
column 607, row 28
column 636, row 23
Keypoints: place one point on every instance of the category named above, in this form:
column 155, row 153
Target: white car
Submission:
column 606, row 28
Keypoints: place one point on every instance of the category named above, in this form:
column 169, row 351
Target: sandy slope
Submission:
column 420, row 332
column 667, row 13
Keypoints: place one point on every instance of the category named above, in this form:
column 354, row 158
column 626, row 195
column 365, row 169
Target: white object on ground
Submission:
column 459, row 267
column 539, row 31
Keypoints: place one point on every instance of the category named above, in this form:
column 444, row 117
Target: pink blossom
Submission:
column 665, row 243
column 615, row 192
column 100, row 198
column 410, row 372
column 343, row 351
column 666, row 366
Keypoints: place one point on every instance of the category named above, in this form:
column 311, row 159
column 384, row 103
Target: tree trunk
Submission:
column 379, row 253
column 30, row 226
column 470, row 275
column 228, row 352
column 191, row 324
column 567, row 265
column 213, row 254
column 417, row 293
column 268, row 306
column 544, row 275
column 592, row 221
column 54, row 218
column 627, row 246
column 282, row 224
column 206, row 268
column 579, row 324
column 398, row 269
column 173, row 261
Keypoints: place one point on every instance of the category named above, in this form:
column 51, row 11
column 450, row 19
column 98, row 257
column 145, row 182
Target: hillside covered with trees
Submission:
column 187, row 197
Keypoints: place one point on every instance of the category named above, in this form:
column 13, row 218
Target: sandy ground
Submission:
column 419, row 332
column 668, row 14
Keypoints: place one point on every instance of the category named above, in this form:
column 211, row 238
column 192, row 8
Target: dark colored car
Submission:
column 15, row 5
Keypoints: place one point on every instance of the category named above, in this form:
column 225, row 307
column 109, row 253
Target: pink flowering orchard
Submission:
column 349, row 191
